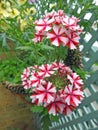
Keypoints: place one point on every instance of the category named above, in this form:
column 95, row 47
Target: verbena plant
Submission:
column 18, row 29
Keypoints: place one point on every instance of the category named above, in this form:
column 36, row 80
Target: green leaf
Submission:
column 3, row 39
column 80, row 72
column 46, row 47
column 54, row 118
column 41, row 59
column 45, row 121
column 24, row 48
column 36, row 109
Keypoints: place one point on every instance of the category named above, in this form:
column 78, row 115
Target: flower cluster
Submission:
column 54, row 86
column 59, row 28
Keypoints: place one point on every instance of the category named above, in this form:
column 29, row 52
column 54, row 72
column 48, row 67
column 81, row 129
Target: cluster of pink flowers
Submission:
column 54, row 86
column 59, row 28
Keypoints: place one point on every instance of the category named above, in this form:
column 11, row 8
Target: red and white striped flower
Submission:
column 25, row 74
column 25, row 78
column 57, row 35
column 45, row 93
column 59, row 17
column 26, row 84
column 68, row 109
column 43, row 24
column 60, row 13
column 35, row 80
column 45, row 70
column 58, row 65
column 38, row 36
column 70, row 22
column 50, row 15
column 34, row 100
column 56, row 106
column 75, row 80
column 72, row 39
column 72, row 96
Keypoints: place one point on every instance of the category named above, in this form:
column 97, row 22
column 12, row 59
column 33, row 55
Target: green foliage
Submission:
column 44, row 117
column 38, row 109
column 11, row 70
column 3, row 40
column 80, row 72
column 46, row 122
column 54, row 118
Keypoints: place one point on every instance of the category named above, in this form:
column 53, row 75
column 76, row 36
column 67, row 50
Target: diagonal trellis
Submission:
column 86, row 116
